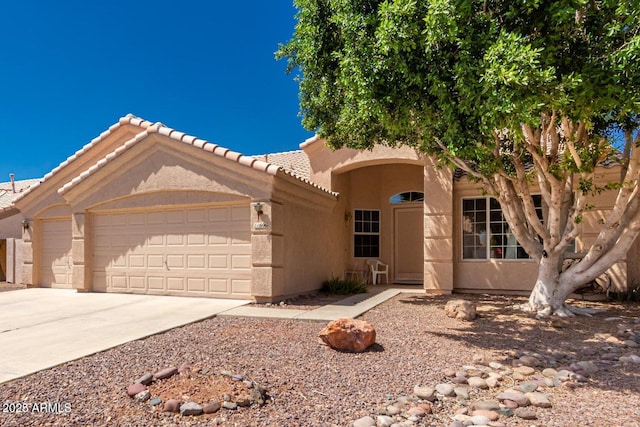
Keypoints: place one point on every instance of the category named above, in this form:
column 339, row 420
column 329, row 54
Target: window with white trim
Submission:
column 486, row 233
column 366, row 233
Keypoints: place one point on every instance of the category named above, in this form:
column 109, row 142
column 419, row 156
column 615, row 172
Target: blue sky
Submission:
column 70, row 69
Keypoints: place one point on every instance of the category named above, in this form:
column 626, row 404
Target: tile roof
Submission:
column 148, row 128
column 295, row 162
column 129, row 118
column 7, row 195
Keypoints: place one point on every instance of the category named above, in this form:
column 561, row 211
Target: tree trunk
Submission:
column 551, row 290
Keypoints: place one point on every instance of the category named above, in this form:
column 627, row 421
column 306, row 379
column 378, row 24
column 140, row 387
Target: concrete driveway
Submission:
column 41, row 328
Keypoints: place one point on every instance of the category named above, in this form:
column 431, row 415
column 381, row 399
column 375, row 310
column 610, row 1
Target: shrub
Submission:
column 339, row 286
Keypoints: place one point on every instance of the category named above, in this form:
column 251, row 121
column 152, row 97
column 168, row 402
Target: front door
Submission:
column 408, row 242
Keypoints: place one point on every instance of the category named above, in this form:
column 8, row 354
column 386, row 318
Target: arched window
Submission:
column 407, row 197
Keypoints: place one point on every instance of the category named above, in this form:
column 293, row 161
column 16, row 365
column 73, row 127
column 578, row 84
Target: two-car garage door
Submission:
column 198, row 251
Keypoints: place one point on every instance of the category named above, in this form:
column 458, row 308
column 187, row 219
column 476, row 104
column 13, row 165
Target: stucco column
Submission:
column 79, row 252
column 267, row 251
column 438, row 229
column 28, row 230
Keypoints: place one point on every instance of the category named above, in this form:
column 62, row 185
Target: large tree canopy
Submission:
column 527, row 96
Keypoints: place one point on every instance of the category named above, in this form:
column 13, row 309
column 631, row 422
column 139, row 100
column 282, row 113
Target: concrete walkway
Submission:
column 41, row 328
column 352, row 306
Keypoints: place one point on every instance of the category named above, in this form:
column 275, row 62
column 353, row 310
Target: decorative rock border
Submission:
column 139, row 392
column 518, row 388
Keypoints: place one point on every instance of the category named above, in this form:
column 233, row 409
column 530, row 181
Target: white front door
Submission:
column 408, row 242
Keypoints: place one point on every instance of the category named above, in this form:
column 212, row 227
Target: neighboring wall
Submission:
column 14, row 260
column 11, row 227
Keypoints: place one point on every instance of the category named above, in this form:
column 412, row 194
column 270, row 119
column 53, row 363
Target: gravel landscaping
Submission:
column 410, row 375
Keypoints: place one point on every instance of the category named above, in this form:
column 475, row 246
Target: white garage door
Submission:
column 55, row 261
column 203, row 251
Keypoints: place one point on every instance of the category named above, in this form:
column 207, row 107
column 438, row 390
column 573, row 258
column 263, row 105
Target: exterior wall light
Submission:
column 258, row 207
column 25, row 224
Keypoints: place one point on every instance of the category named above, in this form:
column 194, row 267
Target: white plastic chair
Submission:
column 378, row 269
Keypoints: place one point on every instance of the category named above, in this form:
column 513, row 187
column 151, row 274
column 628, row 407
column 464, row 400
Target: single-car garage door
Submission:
column 196, row 251
column 56, row 261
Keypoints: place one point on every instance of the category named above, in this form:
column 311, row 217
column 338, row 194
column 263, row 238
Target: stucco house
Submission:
column 144, row 208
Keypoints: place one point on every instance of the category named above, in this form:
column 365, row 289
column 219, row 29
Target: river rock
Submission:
column 364, row 422
column 528, row 386
column 348, row 335
column 490, row 415
column 135, row 388
column 211, row 407
column 479, row 420
column 586, row 366
column 190, row 408
column 171, row 405
column 540, row 400
column 525, row 413
column 515, row 396
column 426, row 393
column 461, row 392
column 145, row 379
column 485, row 405
column 384, row 421
column 530, row 361
column 165, row 373
column 524, row 370
column 393, row 410
column 143, row 396
column 445, row 389
column 477, row 382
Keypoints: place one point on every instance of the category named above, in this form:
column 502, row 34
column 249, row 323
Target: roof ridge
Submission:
column 127, row 119
column 174, row 134
column 277, row 152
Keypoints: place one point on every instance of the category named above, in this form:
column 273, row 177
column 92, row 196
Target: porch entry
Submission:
column 408, row 244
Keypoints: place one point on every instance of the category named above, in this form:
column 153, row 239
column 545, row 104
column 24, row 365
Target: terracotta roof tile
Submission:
column 128, row 119
column 295, row 162
column 147, row 128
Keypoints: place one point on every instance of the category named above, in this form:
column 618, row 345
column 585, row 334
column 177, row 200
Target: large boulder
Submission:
column 460, row 309
column 348, row 335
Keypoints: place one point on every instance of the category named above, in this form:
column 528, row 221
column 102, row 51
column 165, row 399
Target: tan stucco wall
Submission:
column 161, row 164
column 299, row 249
column 326, row 163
